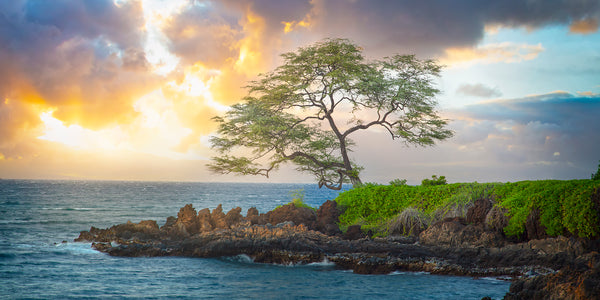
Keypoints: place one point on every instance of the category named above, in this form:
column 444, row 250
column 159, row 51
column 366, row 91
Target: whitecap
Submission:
column 325, row 263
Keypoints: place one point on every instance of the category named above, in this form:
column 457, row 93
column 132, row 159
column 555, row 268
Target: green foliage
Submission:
column 398, row 182
column 565, row 206
column 289, row 113
column 298, row 199
column 372, row 206
column 434, row 181
column 596, row 176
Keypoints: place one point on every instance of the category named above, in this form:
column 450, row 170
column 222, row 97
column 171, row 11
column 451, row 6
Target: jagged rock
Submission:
column 233, row 217
column 290, row 212
column 253, row 217
column 448, row 247
column 170, row 222
column 187, row 222
column 204, row 220
column 252, row 212
column 328, row 217
column 218, row 218
column 478, row 212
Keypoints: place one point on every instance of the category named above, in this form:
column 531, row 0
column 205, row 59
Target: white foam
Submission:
column 325, row 263
column 409, row 273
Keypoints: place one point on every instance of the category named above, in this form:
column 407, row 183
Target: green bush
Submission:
column 434, row 181
column 298, row 199
column 596, row 176
column 372, row 206
column 564, row 205
column 398, row 182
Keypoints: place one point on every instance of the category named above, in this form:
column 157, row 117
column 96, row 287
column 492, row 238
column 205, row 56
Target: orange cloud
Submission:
column 584, row 26
column 491, row 53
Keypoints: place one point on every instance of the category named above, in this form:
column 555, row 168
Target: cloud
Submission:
column 548, row 136
column 584, row 26
column 478, row 90
column 82, row 58
column 533, row 129
column 491, row 53
column 95, row 64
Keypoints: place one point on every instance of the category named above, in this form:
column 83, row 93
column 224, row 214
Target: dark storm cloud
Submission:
column 543, row 129
column 424, row 27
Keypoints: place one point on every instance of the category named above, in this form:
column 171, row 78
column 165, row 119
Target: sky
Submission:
column 126, row 89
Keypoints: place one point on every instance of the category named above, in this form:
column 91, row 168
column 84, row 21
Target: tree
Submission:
column 305, row 110
column 596, row 176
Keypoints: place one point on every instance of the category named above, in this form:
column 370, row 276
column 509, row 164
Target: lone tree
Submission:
column 305, row 110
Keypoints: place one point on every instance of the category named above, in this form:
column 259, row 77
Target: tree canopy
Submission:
column 305, row 110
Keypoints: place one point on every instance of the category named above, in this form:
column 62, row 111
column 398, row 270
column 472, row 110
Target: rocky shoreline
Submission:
column 550, row 268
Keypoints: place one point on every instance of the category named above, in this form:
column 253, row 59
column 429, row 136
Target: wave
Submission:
column 409, row 273
column 325, row 263
column 240, row 258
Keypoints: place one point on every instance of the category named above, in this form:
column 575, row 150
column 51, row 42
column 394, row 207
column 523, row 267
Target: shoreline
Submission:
column 546, row 267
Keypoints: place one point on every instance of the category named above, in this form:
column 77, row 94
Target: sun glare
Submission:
column 197, row 82
column 156, row 14
column 78, row 137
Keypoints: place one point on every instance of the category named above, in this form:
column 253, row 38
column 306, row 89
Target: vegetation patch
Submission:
column 565, row 206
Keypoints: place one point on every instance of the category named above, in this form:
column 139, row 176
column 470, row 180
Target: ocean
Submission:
column 39, row 260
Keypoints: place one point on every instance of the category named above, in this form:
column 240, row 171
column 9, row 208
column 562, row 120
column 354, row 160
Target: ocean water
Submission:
column 39, row 260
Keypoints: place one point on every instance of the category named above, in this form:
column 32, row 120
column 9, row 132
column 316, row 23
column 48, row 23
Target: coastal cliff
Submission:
column 559, row 267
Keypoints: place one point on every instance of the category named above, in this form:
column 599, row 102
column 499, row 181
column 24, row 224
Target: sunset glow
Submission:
column 115, row 82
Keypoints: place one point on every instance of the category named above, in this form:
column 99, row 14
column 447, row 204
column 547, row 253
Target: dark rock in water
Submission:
column 477, row 213
column 534, row 229
column 290, row 212
column 139, row 232
column 328, row 217
column 354, row 232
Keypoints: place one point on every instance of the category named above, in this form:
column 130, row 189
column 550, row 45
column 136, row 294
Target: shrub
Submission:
column 596, row 176
column 376, row 204
column 434, row 181
column 398, row 182
column 564, row 205
column 298, row 199
column 410, row 221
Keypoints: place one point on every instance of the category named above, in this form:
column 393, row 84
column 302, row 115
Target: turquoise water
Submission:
column 39, row 260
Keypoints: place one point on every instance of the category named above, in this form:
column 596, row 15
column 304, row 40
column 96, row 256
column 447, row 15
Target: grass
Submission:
column 565, row 206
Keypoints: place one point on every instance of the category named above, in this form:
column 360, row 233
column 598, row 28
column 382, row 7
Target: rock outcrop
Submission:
column 456, row 232
column 550, row 268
